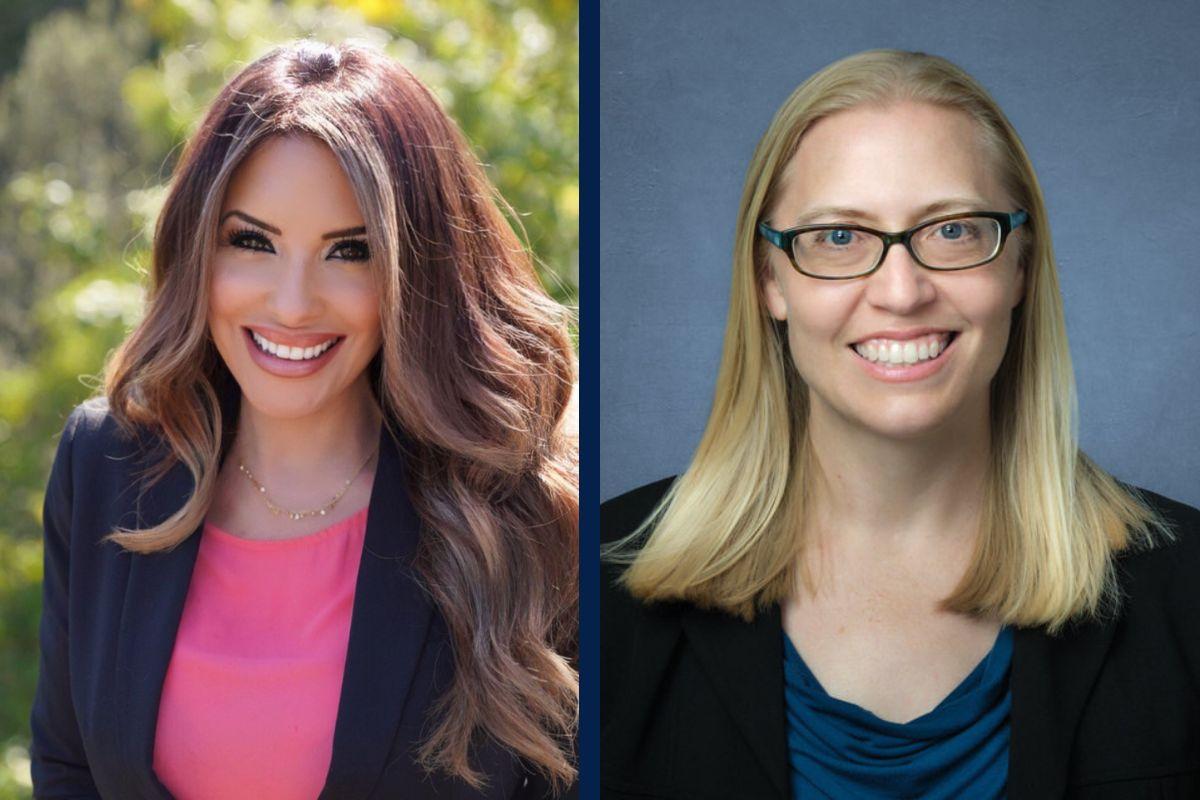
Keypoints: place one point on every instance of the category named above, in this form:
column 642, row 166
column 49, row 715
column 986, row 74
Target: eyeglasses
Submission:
column 839, row 252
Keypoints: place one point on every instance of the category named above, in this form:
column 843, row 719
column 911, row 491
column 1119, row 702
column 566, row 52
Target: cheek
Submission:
column 990, row 309
column 357, row 305
column 223, row 304
column 1008, row 281
column 994, row 295
column 819, row 310
column 1018, row 288
column 816, row 323
column 229, row 290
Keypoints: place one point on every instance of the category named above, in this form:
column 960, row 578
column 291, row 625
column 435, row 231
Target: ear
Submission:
column 772, row 294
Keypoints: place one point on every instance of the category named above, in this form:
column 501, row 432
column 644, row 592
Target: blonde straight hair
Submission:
column 727, row 533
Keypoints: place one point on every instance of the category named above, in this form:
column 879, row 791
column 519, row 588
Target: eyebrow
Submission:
column 344, row 232
column 251, row 220
column 341, row 234
column 844, row 212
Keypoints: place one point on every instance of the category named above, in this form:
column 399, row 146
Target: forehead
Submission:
column 295, row 177
column 888, row 162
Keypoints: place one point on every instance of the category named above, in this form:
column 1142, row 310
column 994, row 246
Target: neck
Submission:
column 316, row 451
column 899, row 495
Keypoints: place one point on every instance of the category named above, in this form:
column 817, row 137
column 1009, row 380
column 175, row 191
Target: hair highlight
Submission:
column 476, row 368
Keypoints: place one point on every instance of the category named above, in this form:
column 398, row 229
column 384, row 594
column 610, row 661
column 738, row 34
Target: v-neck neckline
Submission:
column 998, row 656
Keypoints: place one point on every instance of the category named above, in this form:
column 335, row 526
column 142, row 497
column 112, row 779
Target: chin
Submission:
column 903, row 420
column 281, row 404
column 908, row 429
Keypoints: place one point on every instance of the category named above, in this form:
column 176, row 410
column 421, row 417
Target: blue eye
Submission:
column 952, row 230
column 840, row 237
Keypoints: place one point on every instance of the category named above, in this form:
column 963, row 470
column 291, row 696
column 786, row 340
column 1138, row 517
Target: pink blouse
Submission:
column 251, row 694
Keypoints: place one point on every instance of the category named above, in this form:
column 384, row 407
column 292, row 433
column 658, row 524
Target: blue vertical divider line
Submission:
column 589, row 397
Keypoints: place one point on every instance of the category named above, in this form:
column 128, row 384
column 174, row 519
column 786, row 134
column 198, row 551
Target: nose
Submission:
column 900, row 285
column 294, row 299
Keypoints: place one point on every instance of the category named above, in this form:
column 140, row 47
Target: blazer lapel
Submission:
column 753, row 697
column 1050, row 683
column 391, row 620
column 154, row 599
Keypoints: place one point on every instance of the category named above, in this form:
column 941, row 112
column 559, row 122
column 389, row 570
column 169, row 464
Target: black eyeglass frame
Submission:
column 1009, row 222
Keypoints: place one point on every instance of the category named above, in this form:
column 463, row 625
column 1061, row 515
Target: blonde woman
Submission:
column 319, row 536
column 889, row 571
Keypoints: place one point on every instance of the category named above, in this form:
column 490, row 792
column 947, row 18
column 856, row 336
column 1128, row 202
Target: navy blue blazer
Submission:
column 109, row 620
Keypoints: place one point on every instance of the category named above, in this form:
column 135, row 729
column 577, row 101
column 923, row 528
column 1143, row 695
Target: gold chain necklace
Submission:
column 313, row 512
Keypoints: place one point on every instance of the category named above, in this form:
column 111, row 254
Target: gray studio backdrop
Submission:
column 1105, row 95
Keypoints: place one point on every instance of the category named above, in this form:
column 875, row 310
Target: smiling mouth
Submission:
column 894, row 353
column 287, row 353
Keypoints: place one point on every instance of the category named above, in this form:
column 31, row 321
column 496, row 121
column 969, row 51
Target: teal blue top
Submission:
column 959, row 749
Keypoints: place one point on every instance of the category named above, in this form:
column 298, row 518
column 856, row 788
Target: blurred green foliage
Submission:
column 96, row 99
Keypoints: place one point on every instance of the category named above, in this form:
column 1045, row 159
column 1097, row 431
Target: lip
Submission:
column 908, row 372
column 285, row 367
column 898, row 335
column 293, row 339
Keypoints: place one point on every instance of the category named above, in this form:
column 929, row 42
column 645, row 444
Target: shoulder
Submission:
column 630, row 629
column 1164, row 574
column 691, row 698
column 92, row 429
column 89, row 431
column 621, row 515
column 1177, row 546
column 1156, row 630
column 1181, row 517
column 99, row 461
column 1133, row 675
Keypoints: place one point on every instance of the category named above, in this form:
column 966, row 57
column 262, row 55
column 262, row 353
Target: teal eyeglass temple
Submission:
column 783, row 239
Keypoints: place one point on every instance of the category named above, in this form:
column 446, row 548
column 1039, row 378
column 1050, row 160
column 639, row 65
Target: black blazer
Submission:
column 109, row 620
column 692, row 702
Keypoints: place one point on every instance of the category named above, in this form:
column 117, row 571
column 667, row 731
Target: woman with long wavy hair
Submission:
column 889, row 570
column 318, row 537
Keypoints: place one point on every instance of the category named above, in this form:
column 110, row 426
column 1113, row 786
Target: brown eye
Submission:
column 350, row 250
column 249, row 239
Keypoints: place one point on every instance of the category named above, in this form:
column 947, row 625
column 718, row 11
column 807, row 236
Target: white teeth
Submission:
column 291, row 353
column 901, row 353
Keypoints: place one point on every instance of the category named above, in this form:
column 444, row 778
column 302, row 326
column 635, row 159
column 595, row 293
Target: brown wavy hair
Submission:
column 476, row 368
